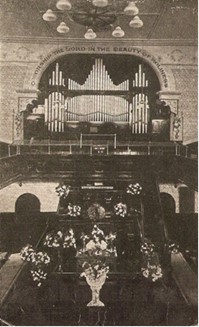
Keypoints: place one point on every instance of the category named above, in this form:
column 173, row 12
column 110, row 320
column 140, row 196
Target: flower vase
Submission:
column 96, row 285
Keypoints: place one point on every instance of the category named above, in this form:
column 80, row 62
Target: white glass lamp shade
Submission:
column 118, row 32
column 63, row 5
column 49, row 16
column 100, row 3
column 63, row 28
column 131, row 9
column 90, row 34
column 136, row 22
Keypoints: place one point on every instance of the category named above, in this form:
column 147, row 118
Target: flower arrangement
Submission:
column 38, row 261
column 120, row 209
column 96, row 212
column 94, row 270
column 63, row 190
column 27, row 253
column 74, row 210
column 147, row 248
column 134, row 189
column 60, row 239
column 153, row 272
column 97, row 232
column 38, row 275
column 173, row 248
column 98, row 244
column 30, row 255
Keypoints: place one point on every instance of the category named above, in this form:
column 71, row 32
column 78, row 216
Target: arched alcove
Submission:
column 168, row 204
column 27, row 203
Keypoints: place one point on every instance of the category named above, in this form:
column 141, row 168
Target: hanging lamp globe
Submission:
column 63, row 5
column 118, row 32
column 63, row 28
column 49, row 16
column 90, row 34
column 131, row 9
column 100, row 3
column 136, row 22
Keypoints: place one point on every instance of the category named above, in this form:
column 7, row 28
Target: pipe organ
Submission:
column 54, row 104
column 140, row 106
column 69, row 101
column 97, row 108
column 98, row 80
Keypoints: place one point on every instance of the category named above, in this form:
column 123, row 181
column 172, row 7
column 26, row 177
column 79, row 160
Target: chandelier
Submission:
column 95, row 15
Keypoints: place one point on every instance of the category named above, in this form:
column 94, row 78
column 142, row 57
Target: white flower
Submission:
column 60, row 234
column 103, row 245
column 145, row 273
column 90, row 245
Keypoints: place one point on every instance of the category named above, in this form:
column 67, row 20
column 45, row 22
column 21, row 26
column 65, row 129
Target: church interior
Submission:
column 98, row 163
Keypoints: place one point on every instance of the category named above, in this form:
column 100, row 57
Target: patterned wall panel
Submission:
column 186, row 83
column 12, row 78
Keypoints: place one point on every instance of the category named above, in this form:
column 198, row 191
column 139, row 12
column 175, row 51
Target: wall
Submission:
column 22, row 64
column 44, row 191
column 173, row 190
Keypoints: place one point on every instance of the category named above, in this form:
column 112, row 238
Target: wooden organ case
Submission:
column 98, row 100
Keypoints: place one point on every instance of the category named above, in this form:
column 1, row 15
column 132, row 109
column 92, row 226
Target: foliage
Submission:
column 147, row 248
column 173, row 247
column 120, row 209
column 74, row 210
column 94, row 270
column 97, row 243
column 60, row 239
column 63, row 190
column 151, row 267
column 134, row 189
column 37, row 261
column 153, row 272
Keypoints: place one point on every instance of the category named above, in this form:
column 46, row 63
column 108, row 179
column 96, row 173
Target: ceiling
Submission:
column 23, row 18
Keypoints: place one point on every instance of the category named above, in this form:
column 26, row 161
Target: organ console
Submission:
column 98, row 100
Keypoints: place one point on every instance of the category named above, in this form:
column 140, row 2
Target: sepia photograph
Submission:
column 98, row 163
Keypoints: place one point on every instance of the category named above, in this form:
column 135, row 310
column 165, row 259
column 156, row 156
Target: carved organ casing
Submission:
column 97, row 100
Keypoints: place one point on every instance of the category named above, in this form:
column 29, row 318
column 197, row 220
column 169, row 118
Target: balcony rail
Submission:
column 97, row 146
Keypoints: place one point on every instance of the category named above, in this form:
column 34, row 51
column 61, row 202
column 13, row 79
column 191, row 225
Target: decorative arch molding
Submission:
column 164, row 75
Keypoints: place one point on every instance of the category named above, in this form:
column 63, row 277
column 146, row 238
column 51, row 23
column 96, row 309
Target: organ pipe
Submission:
column 97, row 107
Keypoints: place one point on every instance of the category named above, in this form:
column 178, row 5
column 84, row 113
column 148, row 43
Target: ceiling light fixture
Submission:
column 63, row 5
column 118, row 32
column 90, row 35
column 63, row 28
column 100, row 3
column 49, row 16
column 136, row 22
column 96, row 15
column 131, row 9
